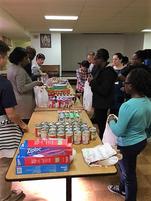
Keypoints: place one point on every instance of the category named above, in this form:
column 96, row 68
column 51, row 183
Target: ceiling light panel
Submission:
column 55, row 17
column 58, row 29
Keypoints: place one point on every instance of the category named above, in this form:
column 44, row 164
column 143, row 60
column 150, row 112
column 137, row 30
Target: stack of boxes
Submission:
column 43, row 156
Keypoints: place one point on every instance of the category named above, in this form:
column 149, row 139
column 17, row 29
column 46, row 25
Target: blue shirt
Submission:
column 7, row 96
column 133, row 120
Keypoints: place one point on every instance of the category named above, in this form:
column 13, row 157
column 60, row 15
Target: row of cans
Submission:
column 68, row 116
column 75, row 133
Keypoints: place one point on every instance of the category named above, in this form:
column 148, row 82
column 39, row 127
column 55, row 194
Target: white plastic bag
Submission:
column 87, row 97
column 41, row 96
column 100, row 155
column 108, row 136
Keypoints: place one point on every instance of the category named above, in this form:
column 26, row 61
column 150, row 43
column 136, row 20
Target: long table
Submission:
column 78, row 167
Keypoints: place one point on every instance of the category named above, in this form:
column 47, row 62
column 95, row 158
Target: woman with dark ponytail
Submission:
column 132, row 128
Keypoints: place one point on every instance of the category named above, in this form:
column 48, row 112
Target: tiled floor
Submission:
column 89, row 188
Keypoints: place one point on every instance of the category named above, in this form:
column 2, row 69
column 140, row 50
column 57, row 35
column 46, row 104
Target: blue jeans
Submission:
column 127, row 169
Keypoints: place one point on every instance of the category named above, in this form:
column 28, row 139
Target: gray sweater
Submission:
column 23, row 89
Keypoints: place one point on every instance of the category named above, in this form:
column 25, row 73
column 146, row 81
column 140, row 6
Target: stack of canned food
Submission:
column 76, row 132
column 69, row 116
column 61, row 101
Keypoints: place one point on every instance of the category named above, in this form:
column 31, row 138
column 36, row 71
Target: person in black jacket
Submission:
column 102, row 86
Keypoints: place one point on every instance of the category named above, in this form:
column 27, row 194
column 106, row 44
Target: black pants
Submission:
column 101, row 117
column 127, row 169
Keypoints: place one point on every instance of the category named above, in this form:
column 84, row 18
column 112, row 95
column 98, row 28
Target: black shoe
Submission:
column 115, row 189
column 16, row 195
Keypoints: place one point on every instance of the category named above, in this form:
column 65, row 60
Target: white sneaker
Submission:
column 16, row 195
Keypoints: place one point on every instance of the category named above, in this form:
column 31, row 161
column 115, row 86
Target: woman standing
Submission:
column 22, row 83
column 131, row 130
column 36, row 67
column 102, row 86
column 10, row 133
column 118, row 93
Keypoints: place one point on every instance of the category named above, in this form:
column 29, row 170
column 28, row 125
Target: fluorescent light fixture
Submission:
column 55, row 17
column 146, row 30
column 53, row 29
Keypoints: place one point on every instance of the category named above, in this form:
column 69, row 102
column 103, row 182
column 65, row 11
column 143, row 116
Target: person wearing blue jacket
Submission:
column 132, row 128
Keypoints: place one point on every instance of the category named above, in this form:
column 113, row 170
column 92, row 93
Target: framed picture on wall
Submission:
column 45, row 40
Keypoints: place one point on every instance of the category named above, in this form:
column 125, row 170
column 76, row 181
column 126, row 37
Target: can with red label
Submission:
column 60, row 134
column 37, row 130
column 69, row 136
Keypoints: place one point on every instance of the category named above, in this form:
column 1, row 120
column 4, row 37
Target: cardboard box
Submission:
column 46, row 143
column 42, row 169
column 44, row 151
column 41, row 160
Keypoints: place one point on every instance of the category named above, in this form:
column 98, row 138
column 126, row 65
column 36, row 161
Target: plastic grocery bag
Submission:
column 41, row 96
column 101, row 155
column 108, row 136
column 87, row 97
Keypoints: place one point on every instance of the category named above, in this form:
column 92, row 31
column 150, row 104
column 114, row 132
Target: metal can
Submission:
column 37, row 130
column 60, row 134
column 77, row 137
column 85, row 137
column 93, row 134
column 69, row 136
column 43, row 133
column 52, row 133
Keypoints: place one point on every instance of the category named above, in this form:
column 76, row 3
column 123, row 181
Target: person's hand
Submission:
column 39, row 83
column 112, row 117
column 25, row 128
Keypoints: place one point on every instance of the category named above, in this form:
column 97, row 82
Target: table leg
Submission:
column 68, row 189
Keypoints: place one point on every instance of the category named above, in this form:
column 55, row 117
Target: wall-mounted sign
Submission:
column 45, row 40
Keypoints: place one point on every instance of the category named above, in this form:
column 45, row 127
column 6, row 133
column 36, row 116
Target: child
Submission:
column 82, row 75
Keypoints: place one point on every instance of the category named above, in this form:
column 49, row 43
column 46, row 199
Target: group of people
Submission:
column 109, row 84
column 17, row 104
column 123, row 89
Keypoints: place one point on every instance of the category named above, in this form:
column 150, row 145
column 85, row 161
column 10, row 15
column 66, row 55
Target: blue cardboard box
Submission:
column 36, row 169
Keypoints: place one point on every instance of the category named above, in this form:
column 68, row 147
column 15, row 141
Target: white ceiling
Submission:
column 20, row 17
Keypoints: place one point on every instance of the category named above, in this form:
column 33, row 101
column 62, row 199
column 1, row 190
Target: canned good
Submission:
column 77, row 137
column 60, row 134
column 37, row 130
column 51, row 134
column 69, row 136
column 85, row 137
column 43, row 133
column 93, row 134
